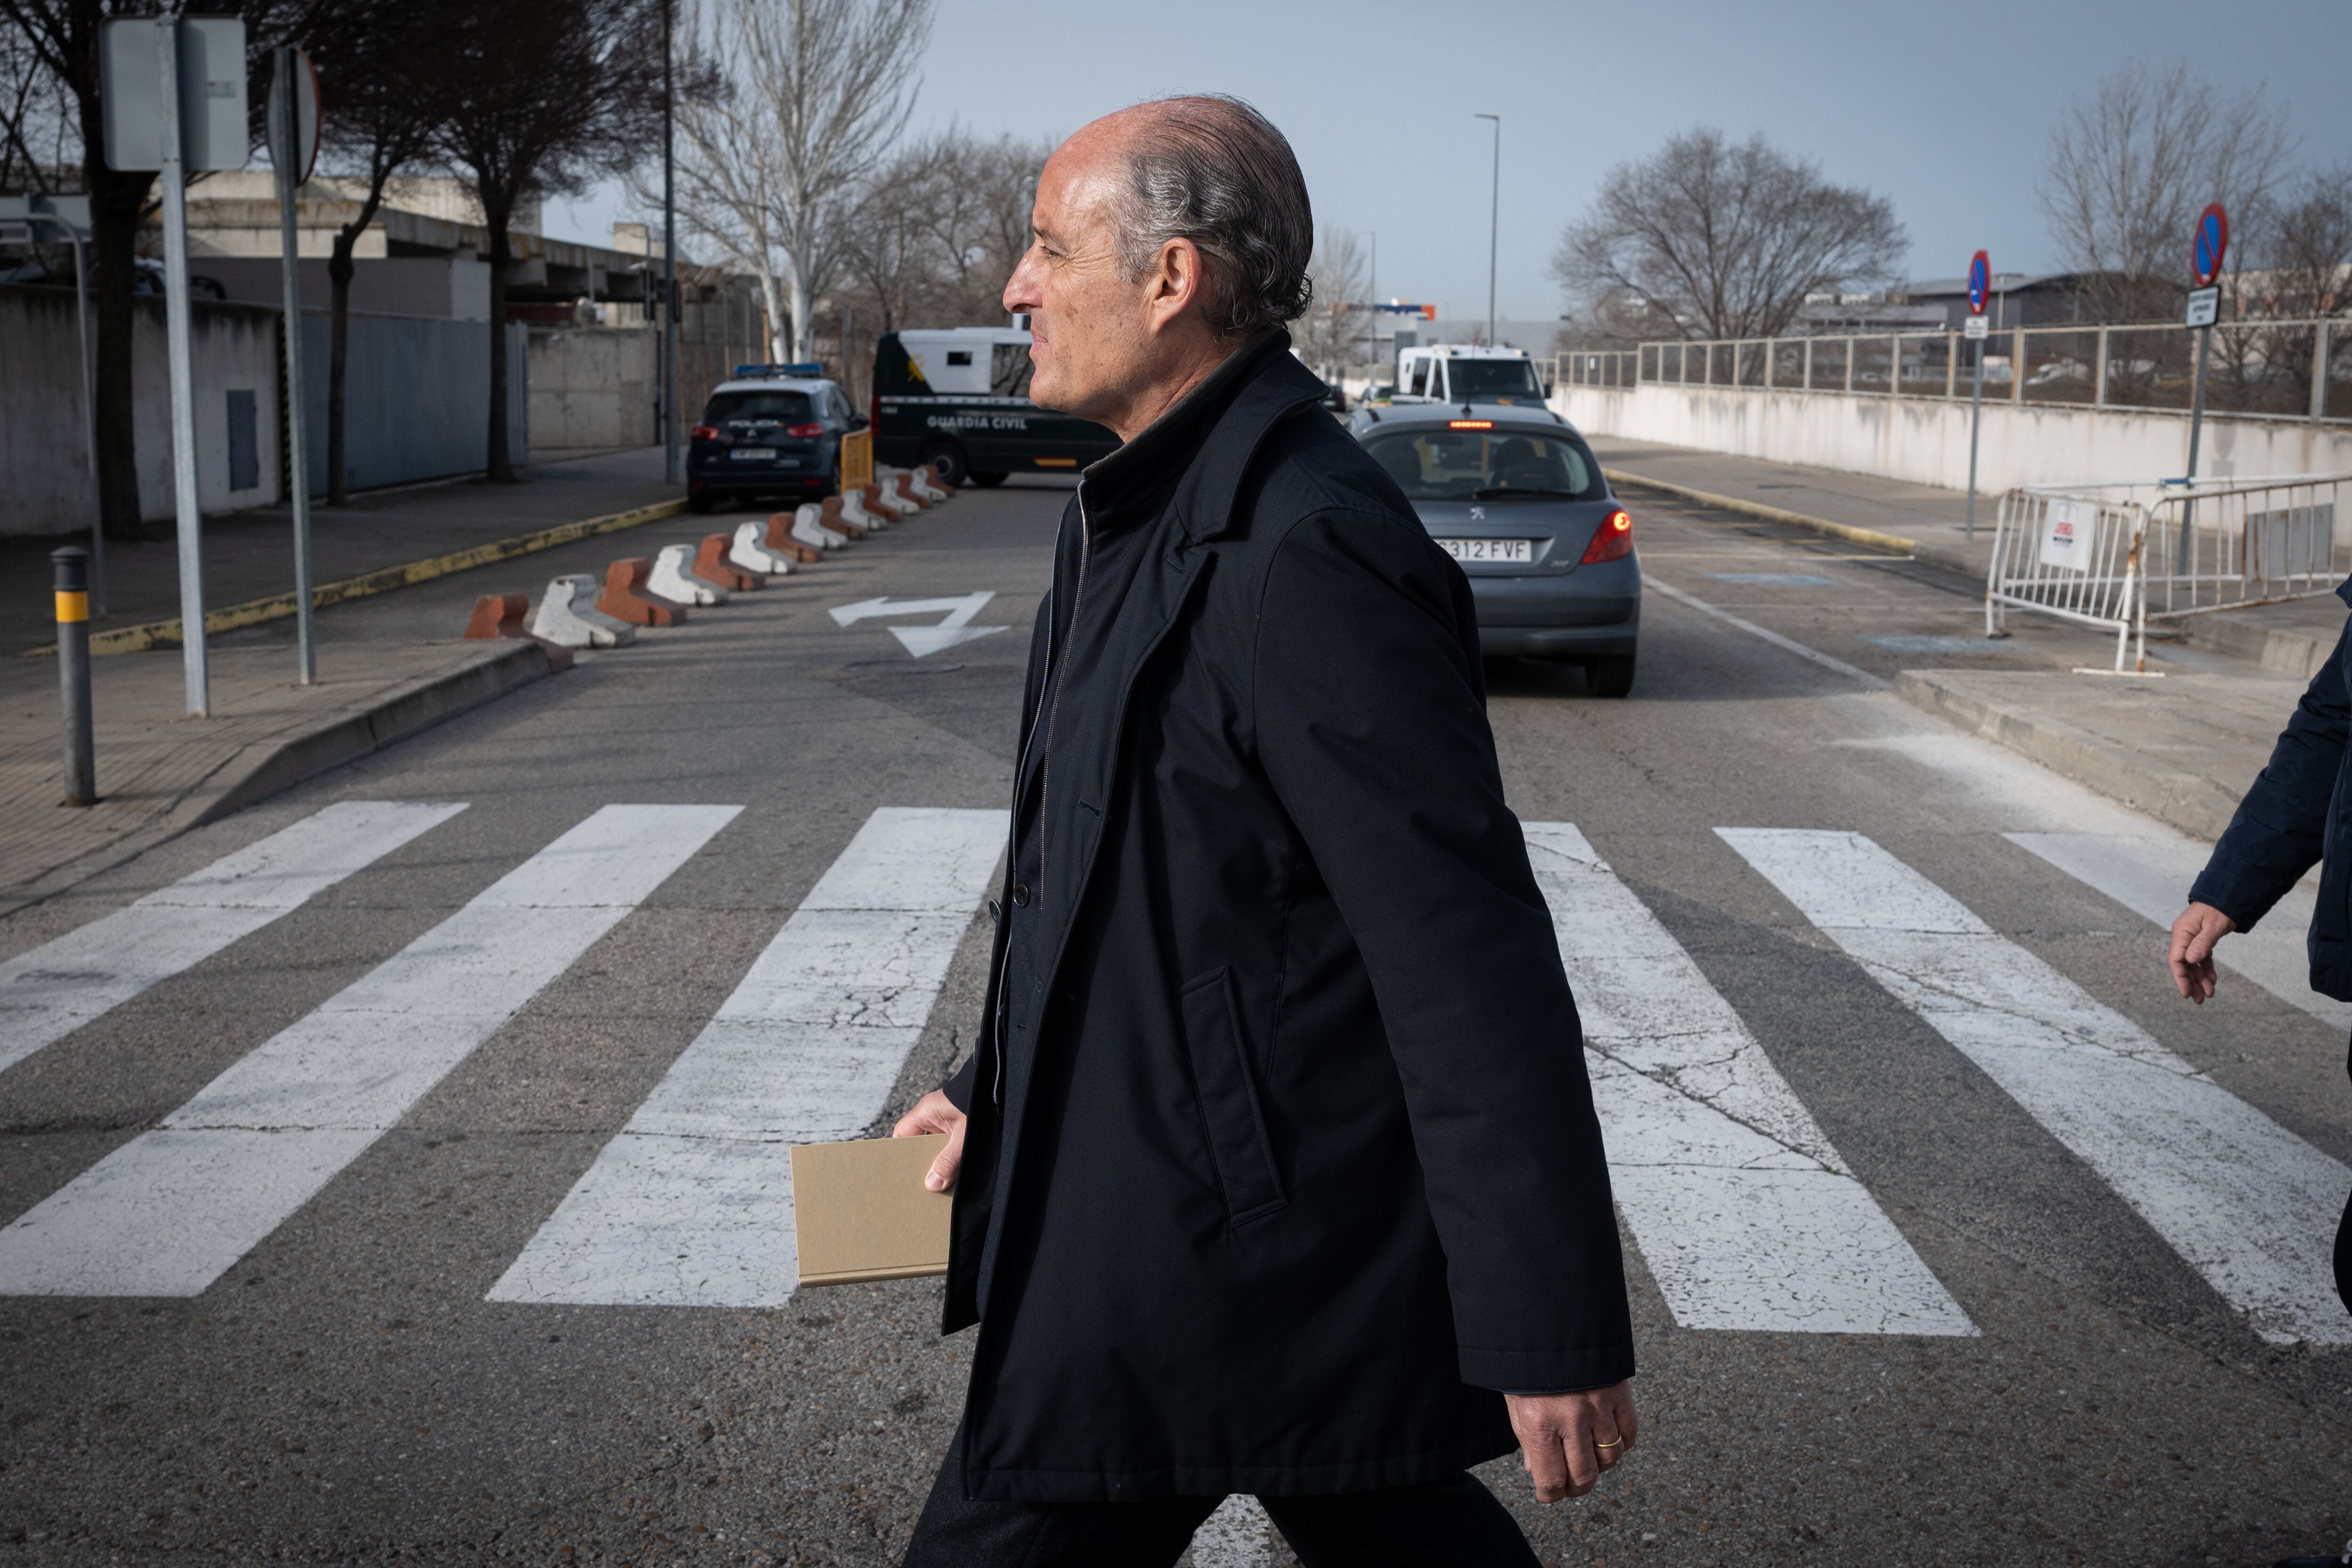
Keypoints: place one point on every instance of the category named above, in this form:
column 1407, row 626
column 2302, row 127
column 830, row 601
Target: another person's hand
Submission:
column 1566, row 1440
column 2194, row 935
column 935, row 1113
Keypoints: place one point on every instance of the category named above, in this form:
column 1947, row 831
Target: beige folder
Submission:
column 860, row 1210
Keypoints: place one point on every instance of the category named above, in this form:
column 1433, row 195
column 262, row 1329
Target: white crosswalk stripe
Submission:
column 51, row 990
column 2151, row 875
column 2248, row 1205
column 689, row 1205
column 169, row 1212
column 1745, row 1213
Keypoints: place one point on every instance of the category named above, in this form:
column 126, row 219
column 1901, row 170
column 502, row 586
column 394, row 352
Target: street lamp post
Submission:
column 1494, row 222
column 671, row 312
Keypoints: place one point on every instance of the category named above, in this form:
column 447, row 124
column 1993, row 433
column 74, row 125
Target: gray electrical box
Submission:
column 213, row 131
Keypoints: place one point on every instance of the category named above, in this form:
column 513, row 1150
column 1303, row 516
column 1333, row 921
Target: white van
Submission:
column 1459, row 373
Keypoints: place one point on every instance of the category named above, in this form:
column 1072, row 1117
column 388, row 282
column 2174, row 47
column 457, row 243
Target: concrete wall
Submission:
column 1925, row 440
column 448, row 287
column 593, row 386
column 419, row 403
column 417, row 397
column 43, row 425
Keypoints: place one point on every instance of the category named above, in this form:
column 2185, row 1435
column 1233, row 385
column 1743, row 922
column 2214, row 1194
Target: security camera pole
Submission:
column 1494, row 222
column 669, row 261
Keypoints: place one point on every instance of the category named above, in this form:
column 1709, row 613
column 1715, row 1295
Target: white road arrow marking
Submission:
column 922, row 640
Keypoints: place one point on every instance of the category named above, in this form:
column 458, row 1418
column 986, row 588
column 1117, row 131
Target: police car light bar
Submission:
column 808, row 370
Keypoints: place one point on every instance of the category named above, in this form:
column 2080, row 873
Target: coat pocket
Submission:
column 1229, row 1099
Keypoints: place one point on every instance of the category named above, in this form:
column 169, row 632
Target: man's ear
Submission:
column 1176, row 283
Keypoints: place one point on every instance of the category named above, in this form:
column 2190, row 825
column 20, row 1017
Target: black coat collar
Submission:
column 1194, row 455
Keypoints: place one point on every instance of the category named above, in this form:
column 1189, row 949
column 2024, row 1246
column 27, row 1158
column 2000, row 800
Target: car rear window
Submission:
column 1484, row 464
column 786, row 407
column 1492, row 380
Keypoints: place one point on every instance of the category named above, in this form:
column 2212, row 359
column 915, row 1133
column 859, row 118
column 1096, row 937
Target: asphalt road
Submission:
column 410, row 1279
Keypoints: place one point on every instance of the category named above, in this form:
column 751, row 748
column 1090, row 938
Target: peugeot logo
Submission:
column 1477, row 514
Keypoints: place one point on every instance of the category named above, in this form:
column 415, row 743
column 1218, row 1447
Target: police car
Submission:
column 774, row 430
column 957, row 398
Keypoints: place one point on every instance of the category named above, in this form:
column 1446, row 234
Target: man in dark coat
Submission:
column 2297, row 815
column 1276, row 1164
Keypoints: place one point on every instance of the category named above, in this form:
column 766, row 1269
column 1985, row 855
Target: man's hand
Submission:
column 2200, row 926
column 935, row 1113
column 1566, row 1440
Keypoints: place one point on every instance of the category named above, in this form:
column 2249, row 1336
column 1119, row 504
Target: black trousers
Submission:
column 1453, row 1523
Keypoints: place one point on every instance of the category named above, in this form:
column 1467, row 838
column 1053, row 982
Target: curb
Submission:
column 2296, row 653
column 2196, row 805
column 253, row 612
column 267, row 768
column 1934, row 555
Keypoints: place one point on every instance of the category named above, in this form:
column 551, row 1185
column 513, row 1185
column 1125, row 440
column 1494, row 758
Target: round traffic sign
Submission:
column 2212, row 244
column 1980, row 283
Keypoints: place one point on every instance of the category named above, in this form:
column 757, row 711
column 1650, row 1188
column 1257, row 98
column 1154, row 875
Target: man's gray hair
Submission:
column 1215, row 171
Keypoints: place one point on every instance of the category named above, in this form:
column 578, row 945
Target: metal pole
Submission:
column 669, row 262
column 2196, row 428
column 1494, row 224
column 1976, row 422
column 189, row 520
column 285, row 153
column 73, row 673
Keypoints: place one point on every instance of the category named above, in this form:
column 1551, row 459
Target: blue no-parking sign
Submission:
column 2212, row 244
column 1980, row 283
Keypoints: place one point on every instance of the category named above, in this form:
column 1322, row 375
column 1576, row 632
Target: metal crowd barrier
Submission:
column 2118, row 556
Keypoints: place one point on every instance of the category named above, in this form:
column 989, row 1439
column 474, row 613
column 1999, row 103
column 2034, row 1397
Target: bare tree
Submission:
column 384, row 114
column 2303, row 249
column 937, row 230
column 727, row 179
column 1706, row 239
column 2129, row 171
column 1339, row 277
column 836, row 81
column 544, row 95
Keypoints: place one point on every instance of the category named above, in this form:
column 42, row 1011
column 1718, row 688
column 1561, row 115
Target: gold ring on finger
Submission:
column 1617, row 1444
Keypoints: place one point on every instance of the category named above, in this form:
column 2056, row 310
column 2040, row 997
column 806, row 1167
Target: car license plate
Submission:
column 1520, row 550
column 751, row 454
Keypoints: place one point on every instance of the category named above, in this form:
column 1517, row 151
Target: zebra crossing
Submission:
column 1745, row 1212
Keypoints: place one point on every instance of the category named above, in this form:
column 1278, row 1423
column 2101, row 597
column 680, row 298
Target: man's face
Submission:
column 1088, row 325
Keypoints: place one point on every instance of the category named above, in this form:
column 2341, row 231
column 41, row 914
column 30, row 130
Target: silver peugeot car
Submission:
column 1515, row 494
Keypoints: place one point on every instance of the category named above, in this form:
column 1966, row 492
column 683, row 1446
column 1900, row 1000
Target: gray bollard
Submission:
column 73, row 673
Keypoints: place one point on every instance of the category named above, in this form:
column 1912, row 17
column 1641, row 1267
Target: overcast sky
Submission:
column 1946, row 116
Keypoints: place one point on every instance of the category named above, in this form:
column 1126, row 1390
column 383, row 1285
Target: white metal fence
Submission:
column 2280, row 370
column 2118, row 556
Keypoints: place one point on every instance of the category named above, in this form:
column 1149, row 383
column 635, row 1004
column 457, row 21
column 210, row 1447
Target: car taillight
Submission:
column 1613, row 539
column 874, row 411
column 706, row 432
column 805, row 432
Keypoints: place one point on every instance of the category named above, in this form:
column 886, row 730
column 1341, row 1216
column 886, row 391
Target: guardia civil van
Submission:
column 958, row 398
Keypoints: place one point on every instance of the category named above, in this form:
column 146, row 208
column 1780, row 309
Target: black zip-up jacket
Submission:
column 1282, row 1158
column 2297, row 815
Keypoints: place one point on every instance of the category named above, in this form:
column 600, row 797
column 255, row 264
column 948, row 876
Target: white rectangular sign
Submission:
column 2066, row 535
column 1976, row 330
column 213, row 132
column 2204, row 307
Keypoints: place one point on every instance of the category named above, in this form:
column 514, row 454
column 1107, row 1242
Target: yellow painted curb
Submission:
column 158, row 633
column 1770, row 514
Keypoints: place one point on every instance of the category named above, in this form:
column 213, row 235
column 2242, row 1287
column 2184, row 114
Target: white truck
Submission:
column 1458, row 372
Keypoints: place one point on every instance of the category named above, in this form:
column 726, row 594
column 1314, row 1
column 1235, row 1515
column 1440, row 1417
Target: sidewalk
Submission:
column 1921, row 520
column 388, row 665
column 160, row 772
column 2182, row 748
column 250, row 555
